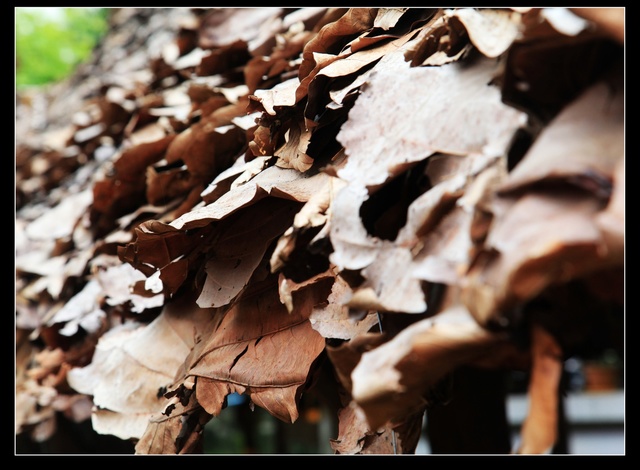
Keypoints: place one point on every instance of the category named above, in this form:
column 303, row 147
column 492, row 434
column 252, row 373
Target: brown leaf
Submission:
column 345, row 67
column 611, row 219
column 548, row 69
column 436, row 43
column 526, row 256
column 346, row 356
column 207, row 147
column 179, row 434
column 156, row 245
column 160, row 438
column 312, row 215
column 223, row 26
column 352, row 431
column 239, row 248
column 355, row 437
column 391, row 381
column 293, row 154
column 540, row 428
column 124, row 191
column 330, row 37
column 610, row 20
column 258, row 328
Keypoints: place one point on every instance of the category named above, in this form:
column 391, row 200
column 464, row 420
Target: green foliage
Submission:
column 50, row 46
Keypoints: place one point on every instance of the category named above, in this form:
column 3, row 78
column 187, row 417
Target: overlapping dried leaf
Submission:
column 252, row 190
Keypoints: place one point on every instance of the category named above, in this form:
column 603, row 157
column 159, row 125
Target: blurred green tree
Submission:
column 51, row 42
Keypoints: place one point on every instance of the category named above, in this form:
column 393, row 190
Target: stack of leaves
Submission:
column 392, row 193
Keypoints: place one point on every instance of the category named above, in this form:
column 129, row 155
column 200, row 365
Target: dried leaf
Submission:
column 81, row 311
column 584, row 142
column 376, row 151
column 611, row 219
column 124, row 379
column 281, row 95
column 61, row 220
column 386, row 383
column 610, row 20
column 353, row 248
column 333, row 319
column 540, row 428
column 524, row 255
column 387, row 17
column 314, row 213
column 223, row 26
column 258, row 328
column 180, row 434
column 491, row 30
column 354, row 436
column 354, row 21
column 240, row 246
column 384, row 159
column 564, row 20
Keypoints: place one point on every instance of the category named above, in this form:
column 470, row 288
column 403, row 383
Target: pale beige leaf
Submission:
column 378, row 138
column 379, row 150
column 272, row 180
column 393, row 282
column 60, row 221
column 82, row 310
column 447, row 249
column 238, row 173
column 491, row 30
column 585, row 140
column 223, row 26
column 124, row 378
column 390, row 382
column 332, row 319
column 564, row 20
column 291, row 184
column 282, row 94
column 117, row 282
column 227, row 204
column 353, row 247
column 387, row 17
